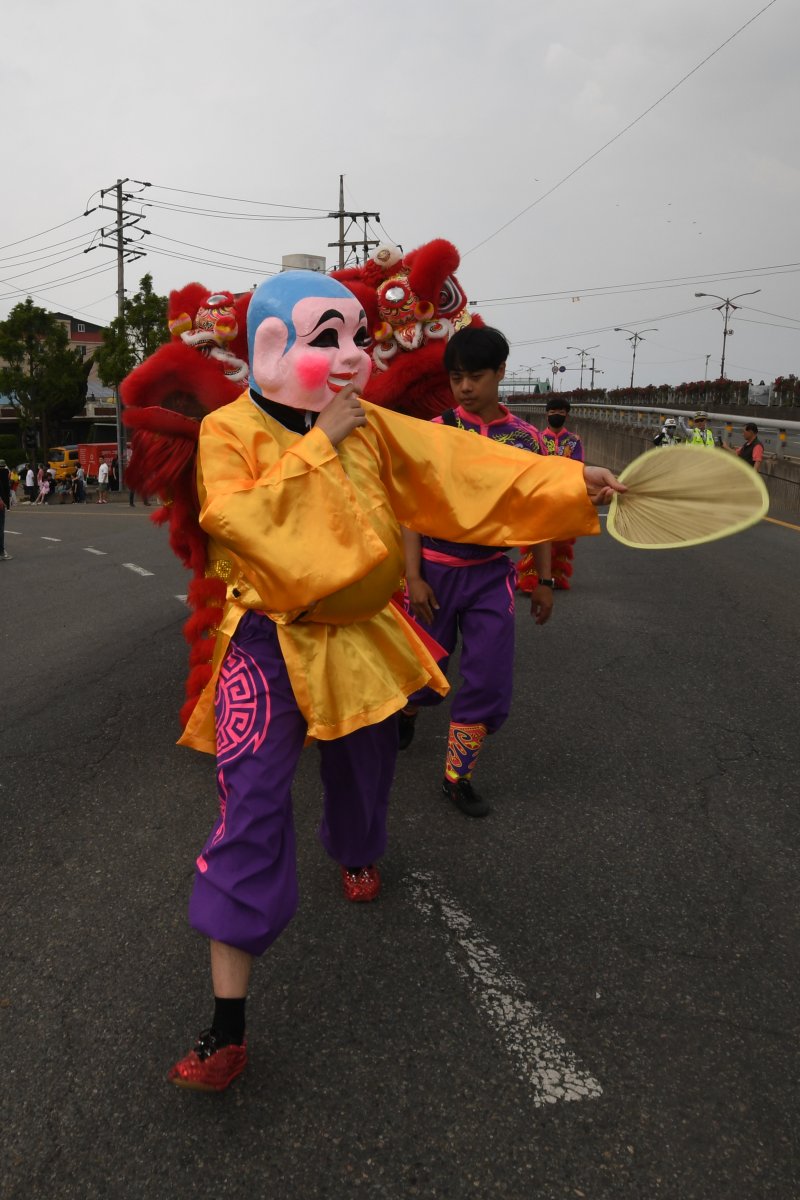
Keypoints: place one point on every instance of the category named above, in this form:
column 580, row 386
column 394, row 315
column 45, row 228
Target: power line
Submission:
column 611, row 289
column 557, row 337
column 322, row 210
column 44, row 287
column 221, row 214
column 33, row 236
column 763, row 311
column 57, row 263
column 750, row 321
column 210, row 250
column 207, row 262
column 81, row 237
column 617, row 136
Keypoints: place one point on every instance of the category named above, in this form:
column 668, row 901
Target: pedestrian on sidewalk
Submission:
column 79, row 487
column 102, row 483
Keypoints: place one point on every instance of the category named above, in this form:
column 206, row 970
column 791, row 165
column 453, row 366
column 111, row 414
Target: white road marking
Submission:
column 183, row 599
column 138, row 570
column 49, row 539
column 540, row 1055
column 91, row 550
column 14, row 532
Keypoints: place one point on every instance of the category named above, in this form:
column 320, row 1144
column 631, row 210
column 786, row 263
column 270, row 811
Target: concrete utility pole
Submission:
column 125, row 220
column 353, row 217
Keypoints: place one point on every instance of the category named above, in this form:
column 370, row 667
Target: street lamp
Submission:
column 634, row 339
column 530, row 371
column 726, row 308
column 583, row 354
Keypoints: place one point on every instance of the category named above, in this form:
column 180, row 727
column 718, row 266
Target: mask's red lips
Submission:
column 337, row 382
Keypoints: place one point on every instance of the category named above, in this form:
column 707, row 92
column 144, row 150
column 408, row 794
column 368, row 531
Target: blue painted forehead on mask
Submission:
column 277, row 297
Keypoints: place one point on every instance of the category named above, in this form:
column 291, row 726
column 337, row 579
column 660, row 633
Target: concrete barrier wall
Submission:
column 614, row 447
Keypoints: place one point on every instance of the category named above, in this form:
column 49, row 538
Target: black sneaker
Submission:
column 405, row 729
column 466, row 798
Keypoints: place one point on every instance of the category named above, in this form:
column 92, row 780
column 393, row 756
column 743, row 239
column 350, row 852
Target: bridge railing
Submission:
column 781, row 438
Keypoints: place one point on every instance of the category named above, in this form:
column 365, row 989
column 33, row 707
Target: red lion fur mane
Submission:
column 165, row 399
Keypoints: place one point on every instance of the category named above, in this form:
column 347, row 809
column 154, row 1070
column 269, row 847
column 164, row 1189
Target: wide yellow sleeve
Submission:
column 452, row 484
column 287, row 513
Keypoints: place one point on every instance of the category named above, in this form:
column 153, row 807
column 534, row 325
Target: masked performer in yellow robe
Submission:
column 303, row 488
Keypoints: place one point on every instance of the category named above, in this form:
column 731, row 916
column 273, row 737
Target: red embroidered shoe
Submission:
column 209, row 1068
column 362, row 884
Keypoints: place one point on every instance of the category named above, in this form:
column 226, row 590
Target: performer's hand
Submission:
column 601, row 485
column 541, row 604
column 422, row 599
column 342, row 415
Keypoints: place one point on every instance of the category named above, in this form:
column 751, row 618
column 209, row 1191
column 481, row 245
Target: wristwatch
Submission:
column 551, row 583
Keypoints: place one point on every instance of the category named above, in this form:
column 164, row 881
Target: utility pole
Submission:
column 125, row 220
column 353, row 217
column 595, row 371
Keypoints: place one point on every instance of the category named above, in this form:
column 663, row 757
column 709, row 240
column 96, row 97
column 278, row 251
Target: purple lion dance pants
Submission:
column 245, row 890
column 478, row 601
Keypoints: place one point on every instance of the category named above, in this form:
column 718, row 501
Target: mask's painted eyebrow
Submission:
column 328, row 315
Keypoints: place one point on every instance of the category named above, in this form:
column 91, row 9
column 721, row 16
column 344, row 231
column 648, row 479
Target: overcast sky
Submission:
column 449, row 119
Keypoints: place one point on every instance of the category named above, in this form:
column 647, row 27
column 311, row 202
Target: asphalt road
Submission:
column 592, row 993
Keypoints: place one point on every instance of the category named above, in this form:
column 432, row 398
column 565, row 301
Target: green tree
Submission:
column 37, row 368
column 135, row 335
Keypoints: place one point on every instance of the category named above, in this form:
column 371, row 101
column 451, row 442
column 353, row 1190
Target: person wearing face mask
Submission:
column 557, row 439
column 667, row 434
column 302, row 486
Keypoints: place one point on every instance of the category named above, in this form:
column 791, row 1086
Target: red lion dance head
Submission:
column 413, row 303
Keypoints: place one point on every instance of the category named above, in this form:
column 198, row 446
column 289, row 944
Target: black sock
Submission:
column 228, row 1023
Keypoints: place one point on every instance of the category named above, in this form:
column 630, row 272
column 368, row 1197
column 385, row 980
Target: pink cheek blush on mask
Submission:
column 311, row 370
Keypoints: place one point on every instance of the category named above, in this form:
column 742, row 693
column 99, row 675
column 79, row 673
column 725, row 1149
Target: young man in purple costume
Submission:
column 453, row 587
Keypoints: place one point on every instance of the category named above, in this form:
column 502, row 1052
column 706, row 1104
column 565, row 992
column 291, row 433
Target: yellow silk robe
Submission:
column 309, row 534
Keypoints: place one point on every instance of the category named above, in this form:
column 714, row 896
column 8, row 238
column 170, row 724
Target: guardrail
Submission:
column 781, row 438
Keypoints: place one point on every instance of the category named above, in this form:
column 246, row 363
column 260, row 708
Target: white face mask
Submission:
column 327, row 354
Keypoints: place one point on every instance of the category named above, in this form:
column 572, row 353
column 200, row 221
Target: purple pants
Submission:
column 477, row 602
column 245, row 889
